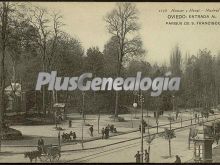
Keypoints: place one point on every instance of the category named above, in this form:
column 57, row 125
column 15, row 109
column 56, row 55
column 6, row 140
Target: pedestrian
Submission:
column 41, row 144
column 103, row 133
column 112, row 128
column 144, row 123
column 106, row 132
column 140, row 128
column 146, row 156
column 70, row 123
column 91, row 130
column 143, row 128
column 178, row 160
column 177, row 113
column 217, row 137
column 74, row 135
column 71, row 134
column 138, row 157
column 59, row 138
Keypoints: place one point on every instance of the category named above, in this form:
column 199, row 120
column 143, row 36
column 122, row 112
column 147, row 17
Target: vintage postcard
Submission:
column 109, row 82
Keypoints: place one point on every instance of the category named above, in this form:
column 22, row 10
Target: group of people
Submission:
column 138, row 157
column 67, row 136
column 107, row 130
column 146, row 157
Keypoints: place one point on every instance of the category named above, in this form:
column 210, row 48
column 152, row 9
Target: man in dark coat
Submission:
column 103, row 133
column 91, row 130
column 138, row 157
column 70, row 123
column 178, row 160
column 41, row 144
column 106, row 132
column 146, row 158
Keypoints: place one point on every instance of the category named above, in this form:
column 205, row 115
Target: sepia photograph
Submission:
column 109, row 82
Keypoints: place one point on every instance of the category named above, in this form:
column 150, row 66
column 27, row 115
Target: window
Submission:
column 199, row 151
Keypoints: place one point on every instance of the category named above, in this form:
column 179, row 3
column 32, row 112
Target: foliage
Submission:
column 168, row 134
column 33, row 38
column 150, row 138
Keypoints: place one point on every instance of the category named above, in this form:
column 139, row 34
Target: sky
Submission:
column 85, row 21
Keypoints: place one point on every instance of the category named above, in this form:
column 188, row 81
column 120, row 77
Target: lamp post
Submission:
column 135, row 94
column 142, row 116
column 135, row 106
column 173, row 102
column 59, row 143
column 83, row 119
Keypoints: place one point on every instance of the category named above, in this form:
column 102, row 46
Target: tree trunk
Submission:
column 98, row 121
column 43, row 93
column 43, row 107
column 44, row 69
column 36, row 105
column 4, row 21
column 117, row 92
column 116, row 103
column 169, row 147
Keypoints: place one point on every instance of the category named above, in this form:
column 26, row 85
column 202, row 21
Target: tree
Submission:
column 176, row 61
column 68, row 61
column 110, row 57
column 94, row 63
column 149, row 140
column 168, row 135
column 122, row 22
column 4, row 15
column 46, row 37
column 175, row 66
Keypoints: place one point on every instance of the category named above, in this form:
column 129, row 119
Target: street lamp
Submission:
column 142, row 148
column 173, row 102
column 135, row 106
column 83, row 119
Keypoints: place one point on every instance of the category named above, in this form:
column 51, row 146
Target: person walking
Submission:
column 143, row 128
column 91, row 130
column 146, row 156
column 138, row 157
column 178, row 160
column 106, row 132
column 103, row 133
column 41, row 144
column 217, row 137
column 74, row 136
column 59, row 139
column 70, row 123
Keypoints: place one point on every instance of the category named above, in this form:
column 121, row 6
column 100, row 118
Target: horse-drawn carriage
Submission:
column 46, row 153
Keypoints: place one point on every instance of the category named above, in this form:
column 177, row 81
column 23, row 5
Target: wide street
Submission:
column 118, row 148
